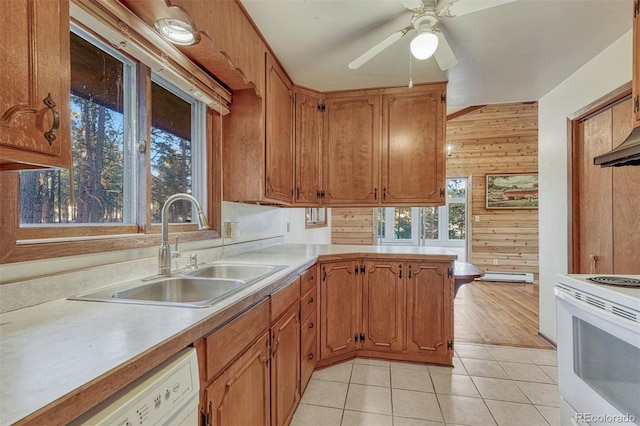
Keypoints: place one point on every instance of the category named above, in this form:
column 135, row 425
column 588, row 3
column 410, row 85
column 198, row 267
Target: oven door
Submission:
column 598, row 362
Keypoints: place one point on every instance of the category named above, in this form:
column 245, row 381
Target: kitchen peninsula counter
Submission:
column 60, row 358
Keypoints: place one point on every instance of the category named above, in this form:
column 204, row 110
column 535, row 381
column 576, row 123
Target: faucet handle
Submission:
column 175, row 254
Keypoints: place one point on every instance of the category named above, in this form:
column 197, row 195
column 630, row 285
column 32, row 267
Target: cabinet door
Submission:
column 595, row 197
column 413, row 132
column 351, row 150
column 285, row 366
column 339, row 308
column 383, row 305
column 279, row 139
column 308, row 132
column 636, row 62
column 34, row 82
column 240, row 396
column 429, row 308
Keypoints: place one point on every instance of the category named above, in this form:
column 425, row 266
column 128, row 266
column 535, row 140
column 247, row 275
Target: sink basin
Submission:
column 169, row 291
column 236, row 271
column 183, row 290
column 196, row 289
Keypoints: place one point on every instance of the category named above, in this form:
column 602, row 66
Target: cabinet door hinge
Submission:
column 636, row 101
column 443, row 98
column 449, row 273
column 322, row 107
column 450, row 345
column 356, row 269
column 442, row 192
column 362, row 269
column 636, row 8
column 362, row 337
column 206, row 417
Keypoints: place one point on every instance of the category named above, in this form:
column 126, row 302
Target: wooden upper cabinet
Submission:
column 351, row 145
column 279, row 134
column 413, row 128
column 636, row 62
column 308, row 135
column 34, row 82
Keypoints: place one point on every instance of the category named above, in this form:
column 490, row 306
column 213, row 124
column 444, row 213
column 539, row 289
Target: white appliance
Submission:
column 598, row 333
column 166, row 395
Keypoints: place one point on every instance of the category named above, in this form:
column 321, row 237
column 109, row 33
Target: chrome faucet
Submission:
column 164, row 254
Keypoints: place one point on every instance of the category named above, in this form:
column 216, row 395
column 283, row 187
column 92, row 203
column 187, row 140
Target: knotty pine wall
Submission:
column 493, row 139
column 354, row 225
column 498, row 139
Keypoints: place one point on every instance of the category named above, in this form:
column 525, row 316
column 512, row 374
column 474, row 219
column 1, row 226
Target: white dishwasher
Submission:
column 166, row 395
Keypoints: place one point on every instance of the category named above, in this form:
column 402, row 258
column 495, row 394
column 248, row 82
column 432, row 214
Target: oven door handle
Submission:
column 601, row 313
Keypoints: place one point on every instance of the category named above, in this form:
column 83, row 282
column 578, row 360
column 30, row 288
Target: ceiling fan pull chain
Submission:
column 410, row 71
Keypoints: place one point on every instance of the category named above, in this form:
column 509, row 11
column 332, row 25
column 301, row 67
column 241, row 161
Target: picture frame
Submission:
column 512, row 191
column 315, row 217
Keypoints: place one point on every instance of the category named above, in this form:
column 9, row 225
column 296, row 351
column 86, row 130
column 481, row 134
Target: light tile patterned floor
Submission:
column 488, row 385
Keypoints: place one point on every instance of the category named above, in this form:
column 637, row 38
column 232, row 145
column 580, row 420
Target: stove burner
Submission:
column 616, row 281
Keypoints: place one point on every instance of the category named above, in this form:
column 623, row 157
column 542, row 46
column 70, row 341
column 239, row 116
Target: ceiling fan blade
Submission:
column 412, row 4
column 369, row 54
column 464, row 7
column 444, row 54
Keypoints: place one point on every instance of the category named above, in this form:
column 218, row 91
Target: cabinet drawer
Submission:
column 308, row 332
column 308, row 363
column 309, row 279
column 284, row 297
column 228, row 342
column 308, row 303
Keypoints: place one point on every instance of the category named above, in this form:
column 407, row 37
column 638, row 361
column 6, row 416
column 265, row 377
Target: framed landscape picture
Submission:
column 512, row 191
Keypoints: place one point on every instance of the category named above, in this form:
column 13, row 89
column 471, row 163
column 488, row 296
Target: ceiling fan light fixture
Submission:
column 176, row 31
column 424, row 44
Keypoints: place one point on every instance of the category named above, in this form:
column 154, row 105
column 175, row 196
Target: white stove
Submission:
column 598, row 332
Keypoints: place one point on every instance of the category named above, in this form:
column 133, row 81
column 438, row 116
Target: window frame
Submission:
column 45, row 242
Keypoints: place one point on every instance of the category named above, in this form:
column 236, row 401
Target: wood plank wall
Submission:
column 354, row 225
column 493, row 139
column 498, row 139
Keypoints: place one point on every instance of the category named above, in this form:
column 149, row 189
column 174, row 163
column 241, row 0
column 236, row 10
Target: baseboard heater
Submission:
column 523, row 277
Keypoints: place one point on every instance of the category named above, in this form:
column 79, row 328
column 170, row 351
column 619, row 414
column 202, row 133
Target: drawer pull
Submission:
column 311, row 325
column 310, row 300
column 310, row 278
column 310, row 356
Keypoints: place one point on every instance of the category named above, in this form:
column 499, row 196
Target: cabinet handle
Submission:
column 310, row 300
column 310, row 278
column 384, row 193
column 310, row 356
column 593, row 263
column 375, row 194
column 297, row 193
column 311, row 325
column 400, row 275
column 324, row 274
column 410, row 271
column 51, row 134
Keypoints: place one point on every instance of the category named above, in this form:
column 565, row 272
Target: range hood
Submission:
column 625, row 154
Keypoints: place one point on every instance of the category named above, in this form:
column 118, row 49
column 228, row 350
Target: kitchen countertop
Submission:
column 60, row 357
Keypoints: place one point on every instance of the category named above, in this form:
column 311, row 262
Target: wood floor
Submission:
column 498, row 313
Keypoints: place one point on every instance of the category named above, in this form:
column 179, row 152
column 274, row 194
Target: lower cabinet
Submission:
column 240, row 396
column 251, row 370
column 393, row 308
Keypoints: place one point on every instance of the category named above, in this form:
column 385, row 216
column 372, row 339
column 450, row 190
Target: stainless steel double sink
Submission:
column 197, row 288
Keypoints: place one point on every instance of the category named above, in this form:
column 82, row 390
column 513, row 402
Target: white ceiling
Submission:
column 514, row 52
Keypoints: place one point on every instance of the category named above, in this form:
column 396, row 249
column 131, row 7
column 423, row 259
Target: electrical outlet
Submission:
column 495, row 261
column 288, row 226
column 477, row 218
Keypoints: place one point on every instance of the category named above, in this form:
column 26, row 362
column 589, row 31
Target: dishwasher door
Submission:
column 166, row 395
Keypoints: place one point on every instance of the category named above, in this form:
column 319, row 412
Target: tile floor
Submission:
column 488, row 385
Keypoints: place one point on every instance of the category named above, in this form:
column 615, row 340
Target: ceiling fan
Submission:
column 429, row 39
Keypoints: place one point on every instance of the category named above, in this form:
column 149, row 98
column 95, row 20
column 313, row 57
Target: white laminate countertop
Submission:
column 56, row 348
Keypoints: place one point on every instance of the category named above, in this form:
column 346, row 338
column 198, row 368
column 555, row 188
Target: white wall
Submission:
column 258, row 222
column 606, row 72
